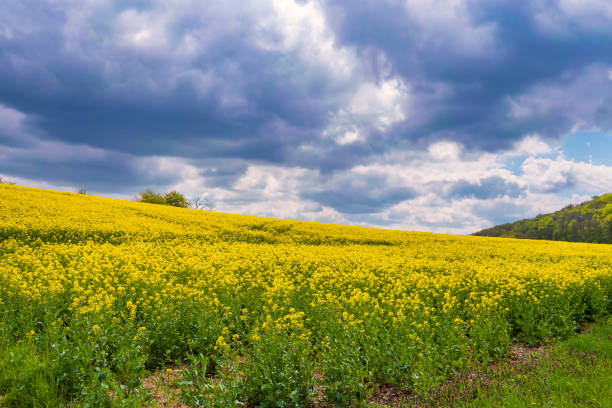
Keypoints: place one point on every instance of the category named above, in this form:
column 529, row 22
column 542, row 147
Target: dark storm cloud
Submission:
column 78, row 81
column 480, row 75
column 97, row 91
column 112, row 174
column 94, row 89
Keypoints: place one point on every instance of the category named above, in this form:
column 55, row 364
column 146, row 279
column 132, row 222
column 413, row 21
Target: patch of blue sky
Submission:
column 514, row 164
column 592, row 147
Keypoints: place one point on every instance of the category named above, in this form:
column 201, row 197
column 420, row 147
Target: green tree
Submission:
column 590, row 221
column 151, row 197
column 176, row 199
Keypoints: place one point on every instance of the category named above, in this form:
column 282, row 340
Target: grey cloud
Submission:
column 474, row 109
column 68, row 67
column 102, row 171
column 360, row 194
column 486, row 188
column 231, row 98
column 114, row 175
column 501, row 212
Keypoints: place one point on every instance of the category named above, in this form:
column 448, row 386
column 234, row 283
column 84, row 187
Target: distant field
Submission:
column 96, row 292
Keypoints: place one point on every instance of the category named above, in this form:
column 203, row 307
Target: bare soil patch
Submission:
column 162, row 386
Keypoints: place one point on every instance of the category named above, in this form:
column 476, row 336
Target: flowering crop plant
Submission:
column 95, row 293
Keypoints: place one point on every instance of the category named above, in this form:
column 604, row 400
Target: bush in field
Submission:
column 151, row 197
column 173, row 198
column 176, row 199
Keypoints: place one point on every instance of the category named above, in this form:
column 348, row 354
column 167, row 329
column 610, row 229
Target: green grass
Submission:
column 576, row 372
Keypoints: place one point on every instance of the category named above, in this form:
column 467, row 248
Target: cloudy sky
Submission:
column 432, row 115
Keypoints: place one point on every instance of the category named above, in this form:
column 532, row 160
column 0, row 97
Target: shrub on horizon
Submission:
column 173, row 198
column 151, row 197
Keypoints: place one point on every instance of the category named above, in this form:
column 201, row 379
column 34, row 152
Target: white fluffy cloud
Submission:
column 372, row 108
column 530, row 145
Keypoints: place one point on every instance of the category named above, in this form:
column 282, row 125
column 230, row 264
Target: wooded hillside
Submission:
column 588, row 222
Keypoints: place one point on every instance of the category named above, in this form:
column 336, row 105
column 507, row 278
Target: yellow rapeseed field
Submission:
column 95, row 292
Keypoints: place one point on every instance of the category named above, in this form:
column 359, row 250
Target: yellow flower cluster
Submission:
column 109, row 262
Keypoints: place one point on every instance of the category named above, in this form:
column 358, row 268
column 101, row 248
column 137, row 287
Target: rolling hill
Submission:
column 588, row 222
column 103, row 300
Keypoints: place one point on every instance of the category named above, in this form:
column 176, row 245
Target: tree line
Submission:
column 587, row 222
